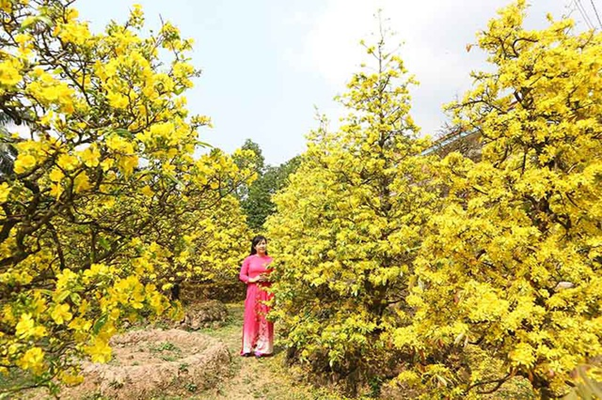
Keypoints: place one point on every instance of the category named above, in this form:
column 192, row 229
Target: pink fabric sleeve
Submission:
column 244, row 271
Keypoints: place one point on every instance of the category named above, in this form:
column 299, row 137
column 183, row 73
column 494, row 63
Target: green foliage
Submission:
column 256, row 197
column 253, row 157
column 258, row 205
column 250, row 157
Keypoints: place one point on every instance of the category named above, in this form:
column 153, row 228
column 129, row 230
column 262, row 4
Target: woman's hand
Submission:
column 260, row 278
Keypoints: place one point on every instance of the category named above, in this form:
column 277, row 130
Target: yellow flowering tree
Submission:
column 202, row 236
column 510, row 280
column 107, row 157
column 187, row 227
column 348, row 225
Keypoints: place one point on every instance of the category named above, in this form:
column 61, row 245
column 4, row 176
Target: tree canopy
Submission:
column 462, row 273
column 256, row 198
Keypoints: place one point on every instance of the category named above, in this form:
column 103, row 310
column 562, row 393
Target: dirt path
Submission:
column 254, row 378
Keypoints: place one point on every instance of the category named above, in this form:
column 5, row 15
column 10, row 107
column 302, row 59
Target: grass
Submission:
column 166, row 351
column 15, row 378
column 164, row 346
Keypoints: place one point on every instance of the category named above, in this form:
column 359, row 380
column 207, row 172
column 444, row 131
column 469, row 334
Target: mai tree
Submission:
column 348, row 225
column 109, row 134
column 510, row 278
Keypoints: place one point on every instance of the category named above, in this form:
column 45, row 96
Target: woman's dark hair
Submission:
column 256, row 240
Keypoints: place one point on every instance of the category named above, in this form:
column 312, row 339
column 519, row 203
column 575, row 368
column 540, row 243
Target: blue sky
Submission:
column 267, row 63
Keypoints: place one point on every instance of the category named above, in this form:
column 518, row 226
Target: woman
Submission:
column 257, row 332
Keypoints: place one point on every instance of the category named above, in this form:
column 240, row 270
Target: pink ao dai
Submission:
column 258, row 333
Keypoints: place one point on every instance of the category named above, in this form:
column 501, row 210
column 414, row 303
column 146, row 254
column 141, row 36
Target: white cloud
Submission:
column 435, row 34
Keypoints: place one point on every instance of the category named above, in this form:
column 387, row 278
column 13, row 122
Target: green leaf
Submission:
column 124, row 133
column 45, row 19
column 61, row 297
column 175, row 180
column 75, row 298
column 592, row 386
column 104, row 243
column 100, row 322
column 31, row 21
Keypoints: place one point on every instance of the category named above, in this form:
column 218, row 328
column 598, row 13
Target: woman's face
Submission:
column 261, row 247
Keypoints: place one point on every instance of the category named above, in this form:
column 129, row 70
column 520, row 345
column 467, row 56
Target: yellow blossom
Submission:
column 90, row 156
column 25, row 326
column 5, row 189
column 81, row 183
column 61, row 314
column 147, row 191
column 68, row 162
column 9, row 72
column 56, row 175
column 24, row 162
column 33, row 360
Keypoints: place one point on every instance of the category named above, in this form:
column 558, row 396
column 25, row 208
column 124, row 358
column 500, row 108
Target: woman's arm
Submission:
column 244, row 272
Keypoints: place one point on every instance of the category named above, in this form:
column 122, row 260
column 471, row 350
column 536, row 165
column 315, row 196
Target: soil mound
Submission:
column 153, row 362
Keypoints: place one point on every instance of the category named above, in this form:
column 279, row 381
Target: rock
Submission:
column 209, row 314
